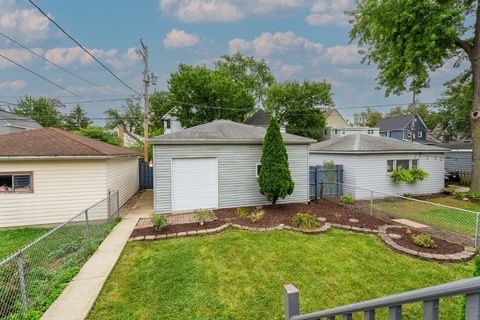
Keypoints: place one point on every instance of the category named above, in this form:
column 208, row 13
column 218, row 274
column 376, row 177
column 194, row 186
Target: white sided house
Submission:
column 48, row 175
column 216, row 165
column 368, row 161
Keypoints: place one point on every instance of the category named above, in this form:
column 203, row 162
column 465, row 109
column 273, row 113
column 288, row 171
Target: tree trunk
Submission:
column 475, row 115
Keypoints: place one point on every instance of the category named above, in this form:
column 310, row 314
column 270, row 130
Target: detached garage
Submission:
column 48, row 175
column 216, row 165
column 368, row 161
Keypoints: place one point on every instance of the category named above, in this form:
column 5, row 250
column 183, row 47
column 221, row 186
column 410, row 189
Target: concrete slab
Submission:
column 411, row 223
column 79, row 296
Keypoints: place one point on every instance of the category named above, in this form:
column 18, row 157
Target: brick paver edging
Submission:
column 466, row 254
column 324, row 228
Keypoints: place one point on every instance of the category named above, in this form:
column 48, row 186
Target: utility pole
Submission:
column 148, row 78
column 412, row 125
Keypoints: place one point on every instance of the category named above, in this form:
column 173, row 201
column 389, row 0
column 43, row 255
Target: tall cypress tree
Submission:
column 275, row 179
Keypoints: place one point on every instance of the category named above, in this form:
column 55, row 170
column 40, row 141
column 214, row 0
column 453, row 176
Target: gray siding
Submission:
column 237, row 183
column 458, row 161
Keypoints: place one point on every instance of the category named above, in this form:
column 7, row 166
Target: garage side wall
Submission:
column 61, row 190
column 122, row 176
column 237, row 181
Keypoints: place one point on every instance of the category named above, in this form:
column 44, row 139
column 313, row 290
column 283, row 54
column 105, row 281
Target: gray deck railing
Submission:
column 429, row 296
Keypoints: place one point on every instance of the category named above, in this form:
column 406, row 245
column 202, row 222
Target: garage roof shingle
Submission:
column 53, row 142
column 362, row 143
column 225, row 132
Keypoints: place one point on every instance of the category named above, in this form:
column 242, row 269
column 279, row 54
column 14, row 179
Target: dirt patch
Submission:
column 282, row 214
column 130, row 202
column 443, row 247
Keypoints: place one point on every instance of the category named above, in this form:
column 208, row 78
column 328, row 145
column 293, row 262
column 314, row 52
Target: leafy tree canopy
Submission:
column 76, row 119
column 368, row 118
column 130, row 115
column 254, row 74
column 47, row 112
column 275, row 179
column 160, row 105
column 207, row 95
column 297, row 106
column 99, row 133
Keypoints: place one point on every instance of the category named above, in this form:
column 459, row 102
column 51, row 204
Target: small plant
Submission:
column 337, row 215
column 305, row 221
column 346, row 199
column 457, row 194
column 256, row 215
column 202, row 215
column 408, row 175
column 424, row 240
column 448, row 190
column 408, row 232
column 388, row 199
column 159, row 221
column 242, row 212
column 418, row 174
column 407, row 195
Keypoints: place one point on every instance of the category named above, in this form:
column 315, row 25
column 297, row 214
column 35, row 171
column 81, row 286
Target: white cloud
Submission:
column 288, row 70
column 27, row 25
column 268, row 44
column 329, row 12
column 20, row 56
column 196, row 11
column 338, row 55
column 358, row 73
column 69, row 56
column 180, row 39
column 13, row 85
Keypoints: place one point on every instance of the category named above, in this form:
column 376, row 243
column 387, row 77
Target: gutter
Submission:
column 26, row 158
column 220, row 141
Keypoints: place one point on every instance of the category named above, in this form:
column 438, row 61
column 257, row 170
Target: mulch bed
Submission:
column 443, row 247
column 282, row 214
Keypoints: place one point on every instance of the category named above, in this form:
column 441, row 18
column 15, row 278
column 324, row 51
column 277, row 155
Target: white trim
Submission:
column 256, row 169
column 9, row 158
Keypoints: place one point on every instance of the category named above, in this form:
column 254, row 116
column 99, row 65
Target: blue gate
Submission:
column 326, row 182
column 146, row 176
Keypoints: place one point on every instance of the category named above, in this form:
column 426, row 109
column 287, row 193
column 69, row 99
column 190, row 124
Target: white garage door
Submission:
column 194, row 184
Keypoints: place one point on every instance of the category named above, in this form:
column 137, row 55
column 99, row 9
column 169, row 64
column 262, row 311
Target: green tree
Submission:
column 429, row 117
column 297, row 106
column 367, row 118
column 160, row 105
column 254, row 74
column 201, row 95
column 47, row 112
column 76, row 119
column 99, row 133
column 408, row 39
column 275, row 179
column 130, row 115
column 455, row 107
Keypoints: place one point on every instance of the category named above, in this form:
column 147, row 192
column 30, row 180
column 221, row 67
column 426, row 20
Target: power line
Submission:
column 40, row 76
column 53, row 63
column 82, row 47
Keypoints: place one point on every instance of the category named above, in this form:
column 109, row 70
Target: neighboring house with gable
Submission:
column 10, row 123
column 402, row 127
column 337, row 126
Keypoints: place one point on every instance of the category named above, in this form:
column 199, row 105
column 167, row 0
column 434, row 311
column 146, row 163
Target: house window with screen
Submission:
column 401, row 164
column 258, row 167
column 16, row 182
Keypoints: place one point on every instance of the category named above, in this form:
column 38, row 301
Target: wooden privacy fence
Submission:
column 146, row 176
column 326, row 182
column 465, row 177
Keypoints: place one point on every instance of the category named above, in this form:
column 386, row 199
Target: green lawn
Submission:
column 444, row 218
column 13, row 240
column 240, row 275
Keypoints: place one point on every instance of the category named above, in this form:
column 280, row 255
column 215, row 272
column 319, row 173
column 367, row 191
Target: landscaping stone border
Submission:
column 466, row 254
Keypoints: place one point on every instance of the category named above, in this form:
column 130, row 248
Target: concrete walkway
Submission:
column 79, row 296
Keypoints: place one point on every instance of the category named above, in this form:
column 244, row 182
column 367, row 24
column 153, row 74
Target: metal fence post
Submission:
column 118, row 203
column 291, row 301
column 371, row 203
column 88, row 226
column 109, row 204
column 23, row 288
column 476, row 231
column 472, row 309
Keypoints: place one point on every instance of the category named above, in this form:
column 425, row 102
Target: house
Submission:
column 368, row 160
column 127, row 139
column 402, row 127
column 48, row 175
column 216, row 165
column 10, row 123
column 260, row 119
column 337, row 126
column 458, row 156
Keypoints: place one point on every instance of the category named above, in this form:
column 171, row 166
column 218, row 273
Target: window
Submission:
column 16, row 182
column 420, row 134
column 336, row 131
column 401, row 164
column 168, row 123
column 343, row 131
column 370, row 131
column 258, row 168
column 409, row 133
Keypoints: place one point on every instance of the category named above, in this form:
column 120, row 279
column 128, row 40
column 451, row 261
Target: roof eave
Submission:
column 377, row 152
column 101, row 157
column 219, row 141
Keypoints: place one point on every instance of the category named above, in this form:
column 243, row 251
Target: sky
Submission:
column 299, row 39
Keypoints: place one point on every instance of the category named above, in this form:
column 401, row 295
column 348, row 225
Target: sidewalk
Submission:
column 79, row 296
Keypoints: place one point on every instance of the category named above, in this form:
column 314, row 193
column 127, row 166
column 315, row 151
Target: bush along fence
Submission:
column 33, row 277
column 453, row 224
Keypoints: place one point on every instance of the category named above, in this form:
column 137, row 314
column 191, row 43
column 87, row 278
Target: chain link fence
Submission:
column 451, row 223
column 32, row 278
